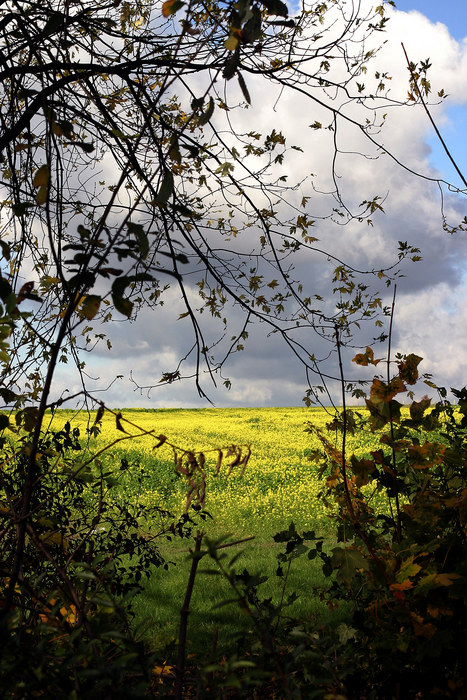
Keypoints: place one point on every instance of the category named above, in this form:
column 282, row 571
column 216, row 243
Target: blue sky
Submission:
column 452, row 13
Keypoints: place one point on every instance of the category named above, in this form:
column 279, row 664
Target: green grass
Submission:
column 279, row 485
column 158, row 608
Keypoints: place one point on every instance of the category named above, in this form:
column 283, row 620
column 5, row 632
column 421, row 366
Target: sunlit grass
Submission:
column 280, row 484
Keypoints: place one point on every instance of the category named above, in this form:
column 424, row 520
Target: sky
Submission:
column 453, row 15
column 431, row 310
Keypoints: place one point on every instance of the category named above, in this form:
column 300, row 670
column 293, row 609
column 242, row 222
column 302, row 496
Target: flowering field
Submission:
column 279, row 483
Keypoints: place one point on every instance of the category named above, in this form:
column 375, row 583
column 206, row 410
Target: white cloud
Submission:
column 431, row 311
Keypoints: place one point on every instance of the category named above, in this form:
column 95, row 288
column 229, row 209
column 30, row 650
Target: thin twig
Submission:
column 391, row 422
column 185, row 611
column 433, row 124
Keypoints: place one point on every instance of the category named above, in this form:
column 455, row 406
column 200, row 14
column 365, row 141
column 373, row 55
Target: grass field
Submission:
column 280, row 484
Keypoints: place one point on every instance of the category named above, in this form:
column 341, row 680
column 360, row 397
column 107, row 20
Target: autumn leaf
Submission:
column 118, row 423
column 90, row 306
column 403, row 586
column 408, row 569
column 362, row 468
column 381, row 392
column 421, row 628
column 231, row 43
column 41, row 176
column 364, row 359
column 446, row 579
column 408, row 371
column 426, row 455
column 418, row 408
column 41, row 196
column 170, row 7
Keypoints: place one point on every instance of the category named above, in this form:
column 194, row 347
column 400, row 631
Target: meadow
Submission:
column 280, row 484
column 261, row 601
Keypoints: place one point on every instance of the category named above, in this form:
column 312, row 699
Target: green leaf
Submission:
column 166, row 189
column 347, row 562
column 407, row 570
column 244, row 88
column 345, row 633
column 206, row 116
column 141, row 237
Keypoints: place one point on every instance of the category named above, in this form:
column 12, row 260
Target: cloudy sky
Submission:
column 431, row 312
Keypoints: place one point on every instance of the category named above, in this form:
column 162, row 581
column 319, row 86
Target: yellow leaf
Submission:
column 70, row 614
column 162, row 669
column 231, row 43
column 170, row 7
column 90, row 306
column 41, row 176
column 41, row 196
column 446, row 579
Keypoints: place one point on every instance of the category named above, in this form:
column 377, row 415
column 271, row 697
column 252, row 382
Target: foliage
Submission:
column 404, row 571
column 400, row 574
column 67, row 627
column 121, row 176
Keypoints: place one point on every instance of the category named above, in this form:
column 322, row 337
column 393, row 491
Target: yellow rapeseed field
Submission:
column 279, row 483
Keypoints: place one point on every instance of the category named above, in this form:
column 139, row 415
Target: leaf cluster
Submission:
column 403, row 568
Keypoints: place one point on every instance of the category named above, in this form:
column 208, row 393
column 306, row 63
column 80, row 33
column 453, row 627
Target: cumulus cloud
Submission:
column 431, row 304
